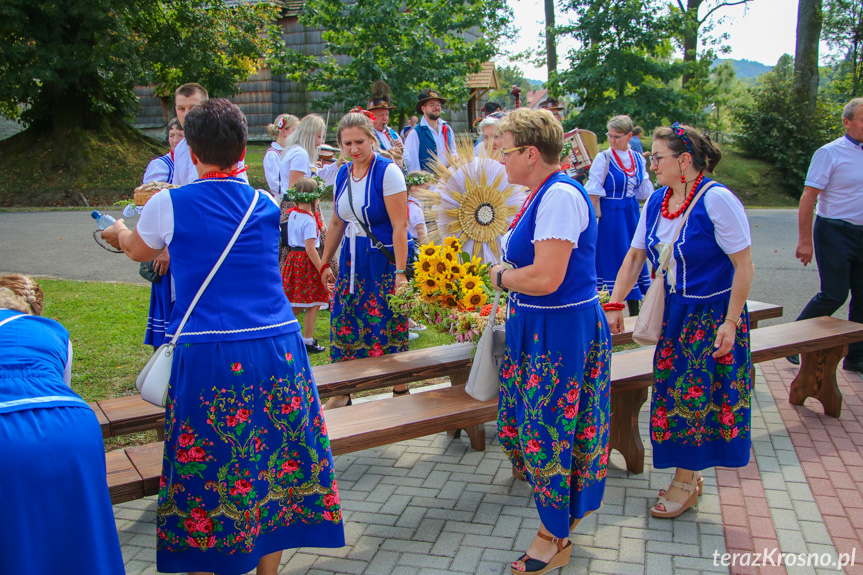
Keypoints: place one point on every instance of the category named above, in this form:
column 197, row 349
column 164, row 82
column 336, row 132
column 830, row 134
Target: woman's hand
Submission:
column 401, row 279
column 329, row 280
column 493, row 275
column 111, row 233
column 725, row 336
column 615, row 320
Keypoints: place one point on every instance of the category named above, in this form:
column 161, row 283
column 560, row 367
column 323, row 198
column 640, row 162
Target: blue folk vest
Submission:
column 704, row 271
column 428, row 144
column 33, row 354
column 374, row 213
column 578, row 289
column 615, row 183
column 245, row 299
column 169, row 161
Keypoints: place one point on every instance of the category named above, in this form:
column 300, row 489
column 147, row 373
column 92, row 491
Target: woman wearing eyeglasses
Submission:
column 700, row 403
column 618, row 180
column 553, row 415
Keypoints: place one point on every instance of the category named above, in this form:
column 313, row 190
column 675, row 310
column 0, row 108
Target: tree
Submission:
column 550, row 41
column 690, row 25
column 843, row 30
column 622, row 65
column 806, row 52
column 411, row 44
column 510, row 76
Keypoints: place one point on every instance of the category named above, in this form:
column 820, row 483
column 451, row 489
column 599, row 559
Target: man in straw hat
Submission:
column 379, row 105
column 432, row 137
column 553, row 106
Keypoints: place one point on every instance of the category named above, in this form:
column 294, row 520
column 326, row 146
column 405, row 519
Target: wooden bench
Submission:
column 822, row 342
column 132, row 414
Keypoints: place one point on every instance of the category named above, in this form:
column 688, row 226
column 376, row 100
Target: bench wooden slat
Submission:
column 147, row 460
column 130, row 414
column 775, row 341
column 124, row 481
column 100, row 417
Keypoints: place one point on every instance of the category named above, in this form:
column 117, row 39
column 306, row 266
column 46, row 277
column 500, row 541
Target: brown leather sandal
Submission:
column 527, row 564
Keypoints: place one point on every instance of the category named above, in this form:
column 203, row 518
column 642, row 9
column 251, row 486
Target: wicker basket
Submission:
column 144, row 192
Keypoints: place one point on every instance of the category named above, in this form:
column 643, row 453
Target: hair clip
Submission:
column 680, row 132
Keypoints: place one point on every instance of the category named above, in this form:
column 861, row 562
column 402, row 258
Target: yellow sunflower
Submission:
column 427, row 266
column 456, row 271
column 453, row 244
column 449, row 255
column 449, row 300
column 470, row 282
column 475, row 266
column 427, row 284
column 473, row 298
column 441, row 268
column 429, row 250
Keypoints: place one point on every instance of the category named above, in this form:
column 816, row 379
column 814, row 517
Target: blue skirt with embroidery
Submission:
column 160, row 311
column 614, row 236
column 247, row 467
column 57, row 515
column 700, row 407
column 362, row 324
column 553, row 415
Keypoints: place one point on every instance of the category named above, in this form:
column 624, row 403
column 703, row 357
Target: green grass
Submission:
column 106, row 322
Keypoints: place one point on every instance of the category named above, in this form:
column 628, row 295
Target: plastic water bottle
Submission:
column 102, row 220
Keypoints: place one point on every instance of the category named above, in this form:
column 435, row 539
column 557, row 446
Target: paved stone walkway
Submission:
column 432, row 506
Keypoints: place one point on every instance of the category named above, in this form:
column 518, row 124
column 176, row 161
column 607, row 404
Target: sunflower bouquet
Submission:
column 450, row 291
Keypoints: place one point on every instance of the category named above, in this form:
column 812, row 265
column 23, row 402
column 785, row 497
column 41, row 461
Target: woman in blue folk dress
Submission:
column 700, row 405
column 553, row 415
column 247, row 468
column 57, row 515
column 618, row 180
column 161, row 295
column 362, row 324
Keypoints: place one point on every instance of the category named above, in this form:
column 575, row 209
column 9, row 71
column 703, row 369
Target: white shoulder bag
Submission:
column 153, row 380
column 648, row 325
column 483, row 383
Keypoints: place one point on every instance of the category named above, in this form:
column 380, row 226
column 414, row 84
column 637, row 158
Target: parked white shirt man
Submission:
column 432, row 136
column 835, row 180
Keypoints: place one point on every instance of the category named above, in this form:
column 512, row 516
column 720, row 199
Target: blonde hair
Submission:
column 622, row 124
column 537, row 128
column 289, row 121
column 20, row 293
column 361, row 121
column 306, row 135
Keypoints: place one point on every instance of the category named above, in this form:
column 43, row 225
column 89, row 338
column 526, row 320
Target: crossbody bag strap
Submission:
column 216, row 267
column 667, row 259
column 363, row 225
column 14, row 317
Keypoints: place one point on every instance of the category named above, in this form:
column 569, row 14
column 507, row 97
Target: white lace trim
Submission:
column 217, row 332
column 554, row 237
column 514, row 298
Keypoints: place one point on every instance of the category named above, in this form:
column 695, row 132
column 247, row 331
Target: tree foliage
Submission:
column 75, row 62
column 781, row 129
column 510, row 76
column 843, row 30
column 411, row 44
column 623, row 64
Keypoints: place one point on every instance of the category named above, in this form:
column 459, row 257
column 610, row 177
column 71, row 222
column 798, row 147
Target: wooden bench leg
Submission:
column 817, row 378
column 460, row 378
column 476, row 433
column 625, row 437
column 454, row 433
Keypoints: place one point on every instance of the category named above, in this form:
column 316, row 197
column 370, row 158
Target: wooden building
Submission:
column 264, row 96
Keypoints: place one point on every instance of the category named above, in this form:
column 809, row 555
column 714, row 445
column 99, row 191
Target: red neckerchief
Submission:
column 445, row 130
column 172, row 155
column 232, row 174
column 318, row 221
column 527, row 201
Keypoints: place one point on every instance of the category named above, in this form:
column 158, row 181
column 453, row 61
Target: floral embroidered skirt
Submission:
column 553, row 416
column 160, row 311
column 247, row 467
column 362, row 324
column 302, row 283
column 57, row 515
column 700, row 406
column 614, row 236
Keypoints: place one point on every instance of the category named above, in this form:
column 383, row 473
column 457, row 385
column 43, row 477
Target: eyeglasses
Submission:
column 507, row 151
column 655, row 158
column 616, row 136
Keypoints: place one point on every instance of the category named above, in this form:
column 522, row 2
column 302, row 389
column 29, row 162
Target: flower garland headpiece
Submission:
column 680, row 132
column 307, row 197
column 359, row 110
column 418, row 180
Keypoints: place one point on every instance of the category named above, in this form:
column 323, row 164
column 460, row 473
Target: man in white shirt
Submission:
column 432, row 137
column 835, row 180
column 389, row 140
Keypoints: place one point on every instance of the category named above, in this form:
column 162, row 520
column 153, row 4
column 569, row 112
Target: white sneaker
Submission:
column 412, row 336
column 416, row 326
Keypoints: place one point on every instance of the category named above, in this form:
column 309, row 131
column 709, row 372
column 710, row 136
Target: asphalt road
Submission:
column 60, row 245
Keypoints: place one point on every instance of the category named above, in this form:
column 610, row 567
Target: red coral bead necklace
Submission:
column 686, row 202
column 630, row 171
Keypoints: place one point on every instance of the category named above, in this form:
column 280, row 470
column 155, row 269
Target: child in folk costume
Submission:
column 418, row 184
column 302, row 266
column 279, row 130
